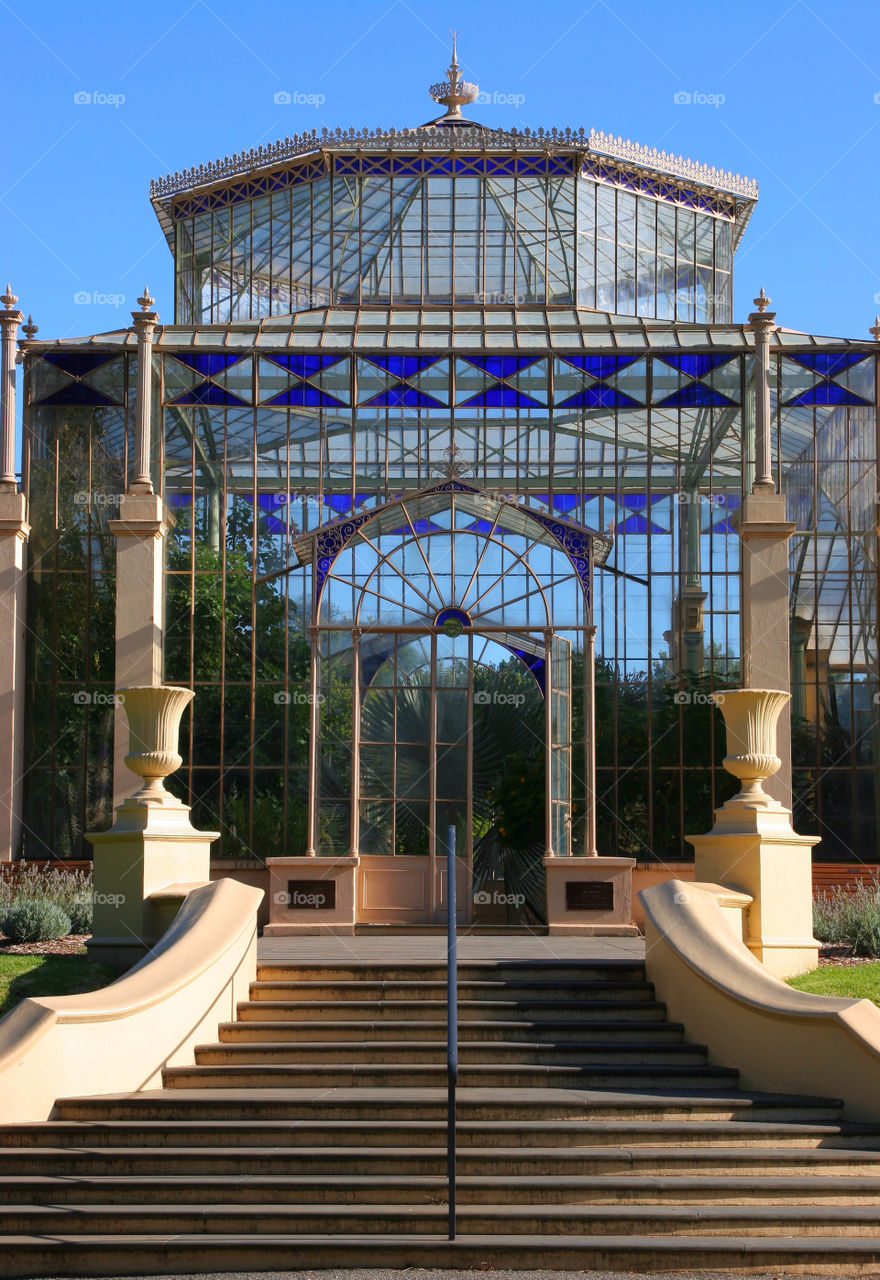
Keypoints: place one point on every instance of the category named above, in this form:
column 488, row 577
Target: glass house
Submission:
column 416, row 381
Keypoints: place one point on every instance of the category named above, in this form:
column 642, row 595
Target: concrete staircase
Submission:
column 591, row 1135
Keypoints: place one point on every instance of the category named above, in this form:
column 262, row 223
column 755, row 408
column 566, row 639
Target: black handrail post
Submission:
column 451, row 1020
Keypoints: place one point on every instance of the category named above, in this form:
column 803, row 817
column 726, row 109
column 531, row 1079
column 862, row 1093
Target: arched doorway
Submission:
column 413, row 603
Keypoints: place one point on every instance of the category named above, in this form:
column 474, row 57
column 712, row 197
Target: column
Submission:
column 765, row 533
column 14, row 531
column 590, row 847
column 140, row 532
column 354, row 847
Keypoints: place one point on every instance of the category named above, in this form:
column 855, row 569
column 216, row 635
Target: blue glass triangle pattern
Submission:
column 600, row 366
column 207, row 363
column 695, row 395
column 402, row 366
column 342, row 502
column 827, row 393
column 638, row 524
column 208, row 393
column 697, row 365
column 78, row 393
column 401, row 394
column 501, row 397
column 78, row 363
column 501, row 366
column 302, row 366
column 303, row 395
column 599, row 397
column 827, row 363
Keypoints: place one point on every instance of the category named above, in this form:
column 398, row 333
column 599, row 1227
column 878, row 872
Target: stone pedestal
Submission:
column 752, row 847
column 765, row 535
column 14, row 531
column 311, row 895
column 140, row 562
column 152, row 849
column 590, row 896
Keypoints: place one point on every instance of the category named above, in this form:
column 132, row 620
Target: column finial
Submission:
column 762, row 302
column 146, row 302
column 875, row 329
column 30, row 330
column 9, row 299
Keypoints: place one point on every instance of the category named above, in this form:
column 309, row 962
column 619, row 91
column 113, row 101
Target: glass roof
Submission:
column 456, row 328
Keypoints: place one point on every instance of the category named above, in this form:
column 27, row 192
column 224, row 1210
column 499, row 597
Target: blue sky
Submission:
column 792, row 88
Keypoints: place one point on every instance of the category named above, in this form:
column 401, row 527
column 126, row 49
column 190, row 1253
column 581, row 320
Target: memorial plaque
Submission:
column 311, row 895
column 589, row 895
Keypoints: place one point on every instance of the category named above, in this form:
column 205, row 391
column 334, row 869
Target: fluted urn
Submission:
column 154, row 713
column 750, row 717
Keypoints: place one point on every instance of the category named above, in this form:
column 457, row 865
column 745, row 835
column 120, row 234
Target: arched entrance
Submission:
column 416, row 604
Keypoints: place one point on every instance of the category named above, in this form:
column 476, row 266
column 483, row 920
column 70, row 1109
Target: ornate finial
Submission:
column 30, row 330
column 454, row 466
column 875, row 329
column 146, row 302
column 762, row 302
column 457, row 91
column 9, row 299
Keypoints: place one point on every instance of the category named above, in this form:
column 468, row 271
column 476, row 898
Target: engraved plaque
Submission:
column 311, row 895
column 589, row 895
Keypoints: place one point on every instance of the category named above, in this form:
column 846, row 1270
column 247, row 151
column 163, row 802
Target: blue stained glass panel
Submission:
column 401, row 394
column 600, row 366
column 827, row 363
column 342, row 502
column 208, row 393
column 599, row 397
column 302, row 366
column 403, row 366
column 501, row 397
column 537, row 666
column 827, row 393
column 696, row 395
column 78, row 393
column 562, row 501
column 501, row 366
column 81, row 362
column 306, row 397
column 697, row 365
column 207, row 363
column 639, row 524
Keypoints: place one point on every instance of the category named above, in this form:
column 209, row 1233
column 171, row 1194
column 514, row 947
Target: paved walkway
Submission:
column 426, row 948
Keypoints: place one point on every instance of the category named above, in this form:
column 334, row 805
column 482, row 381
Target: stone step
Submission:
column 87, row 1218
column 468, row 989
column 424, row 1161
column 670, row 1076
column 115, row 1255
column 470, row 1133
column 389, row 1105
column 360, row 1029
column 468, row 1010
column 497, row 1053
column 501, row 971
column 360, row 1189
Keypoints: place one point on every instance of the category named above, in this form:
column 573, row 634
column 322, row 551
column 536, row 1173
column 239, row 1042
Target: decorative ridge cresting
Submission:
column 475, row 137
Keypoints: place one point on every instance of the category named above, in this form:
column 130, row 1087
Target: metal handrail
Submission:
column 451, row 1021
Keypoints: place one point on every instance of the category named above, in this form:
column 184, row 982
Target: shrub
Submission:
column 850, row 918
column 30, row 919
column 70, row 892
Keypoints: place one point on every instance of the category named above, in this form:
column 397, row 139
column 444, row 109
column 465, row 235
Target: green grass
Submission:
column 855, row 981
column 22, row 976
